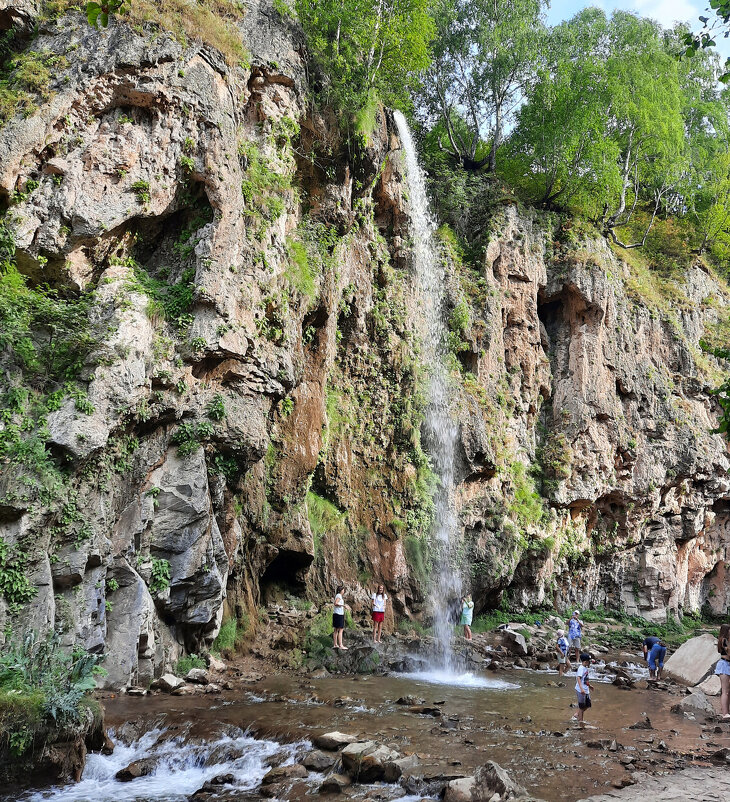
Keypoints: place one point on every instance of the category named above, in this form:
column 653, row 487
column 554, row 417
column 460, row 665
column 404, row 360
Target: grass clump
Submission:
column 324, row 518
column 42, row 688
column 184, row 664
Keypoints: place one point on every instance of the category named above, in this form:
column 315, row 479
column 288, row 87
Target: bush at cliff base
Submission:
column 43, row 692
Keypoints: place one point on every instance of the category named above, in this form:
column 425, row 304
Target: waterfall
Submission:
column 441, row 430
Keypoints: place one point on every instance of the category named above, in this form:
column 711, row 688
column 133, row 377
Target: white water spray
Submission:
column 441, row 431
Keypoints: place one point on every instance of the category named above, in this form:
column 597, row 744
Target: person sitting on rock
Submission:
column 722, row 669
column 649, row 641
column 561, row 649
column 657, row 653
column 379, row 600
column 575, row 633
column 467, row 611
column 338, row 618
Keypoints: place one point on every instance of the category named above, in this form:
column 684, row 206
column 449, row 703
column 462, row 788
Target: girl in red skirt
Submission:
column 379, row 600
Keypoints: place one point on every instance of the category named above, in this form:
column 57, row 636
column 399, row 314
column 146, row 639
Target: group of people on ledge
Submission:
column 654, row 648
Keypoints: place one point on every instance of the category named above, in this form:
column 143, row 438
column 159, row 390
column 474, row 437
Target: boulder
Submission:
column 460, row 790
column 353, row 754
column 139, row 768
column 372, row 765
column 514, row 642
column 695, row 702
column 491, row 779
column 198, row 676
column 710, row 686
column 167, row 682
column 694, row 660
column 335, row 784
column 214, row 664
column 282, row 773
column 395, row 769
column 332, row 741
column 317, row 760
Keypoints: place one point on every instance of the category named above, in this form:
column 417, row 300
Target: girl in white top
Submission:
column 379, row 599
column 338, row 618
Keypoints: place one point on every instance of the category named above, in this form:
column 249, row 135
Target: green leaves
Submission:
column 98, row 13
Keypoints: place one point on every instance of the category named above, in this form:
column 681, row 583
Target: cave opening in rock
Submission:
column 285, row 576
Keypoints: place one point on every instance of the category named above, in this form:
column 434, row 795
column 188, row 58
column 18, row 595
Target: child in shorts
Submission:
column 583, row 687
column 561, row 649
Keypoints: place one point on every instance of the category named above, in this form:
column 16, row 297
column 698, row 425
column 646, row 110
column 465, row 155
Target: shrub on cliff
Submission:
column 43, row 690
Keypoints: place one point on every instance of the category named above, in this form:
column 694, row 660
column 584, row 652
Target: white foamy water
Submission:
column 180, row 768
column 441, row 430
column 465, row 680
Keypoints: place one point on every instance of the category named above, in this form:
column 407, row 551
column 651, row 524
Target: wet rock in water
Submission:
column 722, row 755
column 395, row 769
column 320, row 673
column 335, row 784
column 645, row 724
column 186, row 690
column 372, row 765
column 460, row 790
column 695, row 702
column 168, row 683
column 492, row 779
column 623, row 682
column 332, row 741
column 317, row 760
column 424, row 710
column 282, row 773
column 211, row 687
column 198, row 676
column 136, row 769
column 353, row 754
column 406, row 700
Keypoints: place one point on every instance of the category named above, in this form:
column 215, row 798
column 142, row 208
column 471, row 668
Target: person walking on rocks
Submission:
column 561, row 649
column 583, row 687
column 575, row 633
column 379, row 599
column 657, row 653
column 338, row 618
column 467, row 612
column 722, row 669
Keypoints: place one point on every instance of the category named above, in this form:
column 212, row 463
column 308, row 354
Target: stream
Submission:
column 519, row 718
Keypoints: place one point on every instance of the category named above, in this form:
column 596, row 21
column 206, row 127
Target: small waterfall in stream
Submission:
column 441, row 430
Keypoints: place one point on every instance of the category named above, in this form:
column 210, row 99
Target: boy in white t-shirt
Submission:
column 583, row 687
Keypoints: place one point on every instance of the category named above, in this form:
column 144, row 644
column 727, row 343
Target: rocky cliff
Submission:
column 212, row 392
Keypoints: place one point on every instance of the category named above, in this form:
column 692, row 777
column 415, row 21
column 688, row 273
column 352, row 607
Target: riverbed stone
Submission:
column 334, row 784
column 136, row 769
column 295, row 771
column 167, row 682
column 491, row 779
column 515, row 642
column 460, row 790
column 333, row 741
column 710, row 686
column 353, row 754
column 694, row 660
column 393, row 770
column 198, row 676
column 695, row 702
column 372, row 765
column 317, row 760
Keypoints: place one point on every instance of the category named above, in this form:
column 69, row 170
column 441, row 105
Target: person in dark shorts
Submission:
column 338, row 618
column 722, row 669
column 649, row 641
column 583, row 687
column 655, row 659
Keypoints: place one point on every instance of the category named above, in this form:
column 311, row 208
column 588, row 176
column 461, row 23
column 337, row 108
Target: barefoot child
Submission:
column 561, row 649
column 583, row 687
column 379, row 598
column 338, row 618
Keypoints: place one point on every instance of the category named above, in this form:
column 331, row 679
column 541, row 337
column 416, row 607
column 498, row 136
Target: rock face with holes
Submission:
column 243, row 422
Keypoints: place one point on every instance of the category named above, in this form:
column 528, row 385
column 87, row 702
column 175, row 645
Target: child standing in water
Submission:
column 583, row 687
column 467, row 611
column 379, row 599
column 561, row 649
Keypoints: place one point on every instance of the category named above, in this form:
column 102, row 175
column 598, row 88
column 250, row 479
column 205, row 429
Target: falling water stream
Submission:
column 441, row 430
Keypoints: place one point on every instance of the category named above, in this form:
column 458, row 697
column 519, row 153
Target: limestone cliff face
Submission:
column 251, row 423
